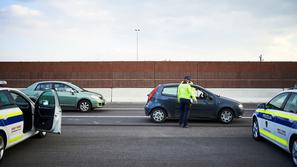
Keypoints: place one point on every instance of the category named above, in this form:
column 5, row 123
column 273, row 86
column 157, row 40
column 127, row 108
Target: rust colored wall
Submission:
column 149, row 74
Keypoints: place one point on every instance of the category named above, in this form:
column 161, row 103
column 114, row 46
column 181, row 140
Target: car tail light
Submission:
column 151, row 95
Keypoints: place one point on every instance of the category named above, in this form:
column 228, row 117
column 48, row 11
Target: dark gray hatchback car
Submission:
column 162, row 104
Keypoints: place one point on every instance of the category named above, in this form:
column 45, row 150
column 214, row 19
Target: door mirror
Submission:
column 262, row 106
column 48, row 113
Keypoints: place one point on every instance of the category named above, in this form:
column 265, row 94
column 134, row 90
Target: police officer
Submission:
column 184, row 95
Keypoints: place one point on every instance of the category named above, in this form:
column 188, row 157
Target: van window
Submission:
column 171, row 91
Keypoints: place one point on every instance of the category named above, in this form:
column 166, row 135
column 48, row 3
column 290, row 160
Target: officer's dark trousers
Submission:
column 184, row 110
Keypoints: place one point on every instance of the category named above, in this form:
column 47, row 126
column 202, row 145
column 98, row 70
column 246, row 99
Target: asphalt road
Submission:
column 112, row 140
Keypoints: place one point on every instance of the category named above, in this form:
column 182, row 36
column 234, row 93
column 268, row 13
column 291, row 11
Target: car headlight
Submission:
column 95, row 97
column 240, row 106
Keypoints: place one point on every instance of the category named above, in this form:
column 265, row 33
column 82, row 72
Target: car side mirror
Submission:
column 262, row 106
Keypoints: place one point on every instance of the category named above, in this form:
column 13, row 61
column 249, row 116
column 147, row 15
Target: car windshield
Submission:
column 76, row 87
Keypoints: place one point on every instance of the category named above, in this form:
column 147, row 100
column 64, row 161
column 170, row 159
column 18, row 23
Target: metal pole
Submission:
column 137, row 30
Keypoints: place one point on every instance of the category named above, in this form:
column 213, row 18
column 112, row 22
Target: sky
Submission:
column 170, row 30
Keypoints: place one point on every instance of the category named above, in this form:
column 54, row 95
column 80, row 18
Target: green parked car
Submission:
column 71, row 97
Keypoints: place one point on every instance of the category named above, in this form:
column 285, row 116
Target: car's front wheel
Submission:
column 84, row 105
column 226, row 116
column 158, row 115
column 2, row 146
column 294, row 152
column 255, row 130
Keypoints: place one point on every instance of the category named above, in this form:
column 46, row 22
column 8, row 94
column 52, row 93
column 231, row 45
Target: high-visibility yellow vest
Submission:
column 185, row 91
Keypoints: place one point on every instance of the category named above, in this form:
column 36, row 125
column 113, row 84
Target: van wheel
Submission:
column 294, row 152
column 84, row 106
column 158, row 115
column 2, row 146
column 226, row 116
column 41, row 134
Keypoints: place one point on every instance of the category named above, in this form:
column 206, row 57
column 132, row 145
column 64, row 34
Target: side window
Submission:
column 62, row 87
column 43, row 86
column 20, row 101
column 199, row 93
column 277, row 102
column 171, row 91
column 4, row 100
column 46, row 100
column 291, row 105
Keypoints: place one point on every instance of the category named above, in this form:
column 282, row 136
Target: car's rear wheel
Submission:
column 294, row 152
column 158, row 115
column 255, row 130
column 226, row 116
column 2, row 146
column 84, row 105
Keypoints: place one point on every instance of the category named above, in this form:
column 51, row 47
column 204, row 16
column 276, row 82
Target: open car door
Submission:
column 48, row 113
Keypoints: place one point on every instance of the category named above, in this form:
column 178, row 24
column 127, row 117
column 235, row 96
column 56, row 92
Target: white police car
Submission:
column 276, row 121
column 20, row 118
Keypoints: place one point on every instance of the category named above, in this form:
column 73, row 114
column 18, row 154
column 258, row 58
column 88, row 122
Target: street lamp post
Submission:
column 137, row 30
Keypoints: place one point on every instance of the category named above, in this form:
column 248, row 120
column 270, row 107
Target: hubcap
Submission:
column 226, row 116
column 1, row 147
column 255, row 129
column 294, row 152
column 84, row 106
column 158, row 116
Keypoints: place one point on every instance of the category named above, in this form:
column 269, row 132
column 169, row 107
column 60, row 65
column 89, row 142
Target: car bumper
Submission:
column 98, row 104
column 239, row 112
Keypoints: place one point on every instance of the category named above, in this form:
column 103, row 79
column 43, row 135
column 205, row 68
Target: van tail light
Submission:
column 151, row 95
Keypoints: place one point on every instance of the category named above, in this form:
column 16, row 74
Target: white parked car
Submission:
column 21, row 118
column 276, row 121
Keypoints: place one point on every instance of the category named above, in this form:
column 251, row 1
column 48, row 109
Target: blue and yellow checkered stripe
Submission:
column 11, row 118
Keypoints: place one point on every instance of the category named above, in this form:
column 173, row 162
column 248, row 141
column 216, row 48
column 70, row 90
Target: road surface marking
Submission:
column 89, row 116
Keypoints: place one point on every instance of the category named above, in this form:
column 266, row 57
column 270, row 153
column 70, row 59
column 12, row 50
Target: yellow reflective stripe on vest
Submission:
column 279, row 114
column 13, row 114
column 274, row 137
column 15, row 139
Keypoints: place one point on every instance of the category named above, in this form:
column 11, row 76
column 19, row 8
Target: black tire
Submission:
column 294, row 152
column 84, row 106
column 255, row 130
column 41, row 134
column 226, row 116
column 2, row 146
column 158, row 115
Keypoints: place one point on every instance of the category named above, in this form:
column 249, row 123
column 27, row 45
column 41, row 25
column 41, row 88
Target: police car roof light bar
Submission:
column 3, row 83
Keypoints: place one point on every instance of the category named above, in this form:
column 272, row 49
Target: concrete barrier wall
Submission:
column 244, row 95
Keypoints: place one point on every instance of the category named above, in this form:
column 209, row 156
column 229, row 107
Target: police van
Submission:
column 276, row 121
column 21, row 118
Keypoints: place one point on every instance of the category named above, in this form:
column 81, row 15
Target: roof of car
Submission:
column 52, row 81
column 291, row 90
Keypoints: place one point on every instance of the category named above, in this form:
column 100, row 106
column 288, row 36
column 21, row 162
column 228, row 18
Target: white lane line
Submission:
column 120, row 109
column 118, row 116
column 95, row 116
column 246, row 117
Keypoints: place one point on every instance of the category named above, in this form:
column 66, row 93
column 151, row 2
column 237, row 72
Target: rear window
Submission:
column 43, row 86
column 171, row 91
